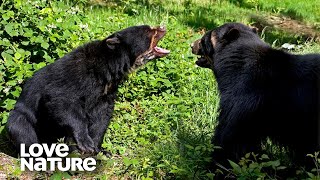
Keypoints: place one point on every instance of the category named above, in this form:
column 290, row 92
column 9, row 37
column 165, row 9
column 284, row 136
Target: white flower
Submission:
column 83, row 26
column 74, row 10
column 52, row 26
column 6, row 90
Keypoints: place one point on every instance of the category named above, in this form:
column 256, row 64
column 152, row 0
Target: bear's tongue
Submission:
column 161, row 50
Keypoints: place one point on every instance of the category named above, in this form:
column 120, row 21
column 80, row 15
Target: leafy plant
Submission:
column 315, row 172
column 254, row 166
column 33, row 35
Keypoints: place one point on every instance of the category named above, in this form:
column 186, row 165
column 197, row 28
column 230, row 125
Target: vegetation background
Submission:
column 166, row 112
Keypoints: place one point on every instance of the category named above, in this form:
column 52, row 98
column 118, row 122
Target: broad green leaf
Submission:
column 15, row 93
column 6, row 56
column 236, row 167
column 17, row 55
column 9, row 104
column 45, row 45
column 25, row 43
column 126, row 161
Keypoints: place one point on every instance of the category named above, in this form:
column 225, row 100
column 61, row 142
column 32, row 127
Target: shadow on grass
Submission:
column 189, row 156
column 203, row 18
column 292, row 13
column 278, row 37
column 195, row 151
column 192, row 15
column 200, row 19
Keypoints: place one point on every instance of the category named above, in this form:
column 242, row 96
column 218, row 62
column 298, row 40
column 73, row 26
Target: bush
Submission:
column 33, row 34
column 254, row 166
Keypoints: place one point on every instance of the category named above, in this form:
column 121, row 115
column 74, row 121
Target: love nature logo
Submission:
column 38, row 157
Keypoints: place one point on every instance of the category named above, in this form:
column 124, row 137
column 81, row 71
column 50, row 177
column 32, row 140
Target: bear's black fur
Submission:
column 264, row 93
column 74, row 97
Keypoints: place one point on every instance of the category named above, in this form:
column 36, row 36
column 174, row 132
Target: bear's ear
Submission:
column 232, row 34
column 111, row 42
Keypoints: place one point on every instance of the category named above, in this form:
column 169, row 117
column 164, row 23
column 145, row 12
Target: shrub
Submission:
column 33, row 34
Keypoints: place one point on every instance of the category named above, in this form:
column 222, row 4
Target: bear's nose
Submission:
column 192, row 45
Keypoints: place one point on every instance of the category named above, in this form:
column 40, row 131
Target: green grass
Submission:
column 166, row 112
column 166, row 133
column 306, row 10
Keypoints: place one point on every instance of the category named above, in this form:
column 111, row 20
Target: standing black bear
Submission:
column 264, row 93
column 74, row 97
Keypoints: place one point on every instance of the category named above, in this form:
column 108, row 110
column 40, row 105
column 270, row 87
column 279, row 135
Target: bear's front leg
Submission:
column 100, row 119
column 72, row 117
column 82, row 138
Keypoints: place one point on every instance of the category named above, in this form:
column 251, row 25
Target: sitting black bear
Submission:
column 74, row 97
column 264, row 93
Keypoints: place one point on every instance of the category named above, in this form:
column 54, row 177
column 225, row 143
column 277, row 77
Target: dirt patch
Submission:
column 10, row 169
column 286, row 24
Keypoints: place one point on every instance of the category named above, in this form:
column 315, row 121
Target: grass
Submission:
column 167, row 134
column 166, row 112
column 307, row 11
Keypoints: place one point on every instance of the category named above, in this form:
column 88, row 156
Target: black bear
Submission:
column 264, row 92
column 74, row 97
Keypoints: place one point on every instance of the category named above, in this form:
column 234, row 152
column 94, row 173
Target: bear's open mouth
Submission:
column 154, row 51
column 203, row 62
column 160, row 32
column 200, row 59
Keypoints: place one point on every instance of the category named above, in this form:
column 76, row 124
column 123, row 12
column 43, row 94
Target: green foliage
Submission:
column 33, row 35
column 253, row 166
column 315, row 172
column 60, row 175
